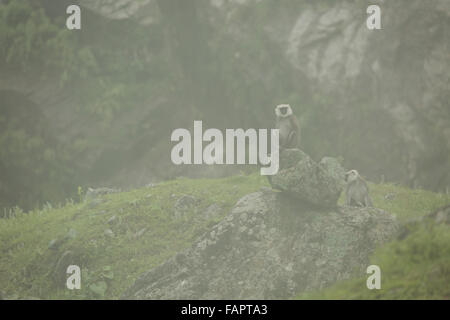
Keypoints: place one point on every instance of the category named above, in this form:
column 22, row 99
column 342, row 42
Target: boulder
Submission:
column 270, row 246
column 316, row 183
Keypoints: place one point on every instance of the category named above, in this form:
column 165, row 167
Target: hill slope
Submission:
column 417, row 267
column 118, row 236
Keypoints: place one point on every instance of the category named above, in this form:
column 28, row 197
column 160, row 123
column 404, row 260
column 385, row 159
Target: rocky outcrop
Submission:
column 317, row 183
column 270, row 246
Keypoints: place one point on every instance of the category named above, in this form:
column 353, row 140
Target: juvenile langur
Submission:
column 287, row 123
column 357, row 192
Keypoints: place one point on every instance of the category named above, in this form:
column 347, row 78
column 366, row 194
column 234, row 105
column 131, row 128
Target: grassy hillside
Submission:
column 118, row 236
column 415, row 267
column 110, row 263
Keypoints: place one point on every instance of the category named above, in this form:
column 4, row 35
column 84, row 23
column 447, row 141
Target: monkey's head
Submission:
column 283, row 110
column 351, row 176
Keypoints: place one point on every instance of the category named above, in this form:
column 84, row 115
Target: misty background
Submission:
column 96, row 106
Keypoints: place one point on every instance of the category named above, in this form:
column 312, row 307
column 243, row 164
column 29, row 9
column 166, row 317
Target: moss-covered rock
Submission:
column 317, row 183
column 269, row 247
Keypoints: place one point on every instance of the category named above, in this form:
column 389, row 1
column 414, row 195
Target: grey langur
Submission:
column 289, row 130
column 288, row 125
column 357, row 192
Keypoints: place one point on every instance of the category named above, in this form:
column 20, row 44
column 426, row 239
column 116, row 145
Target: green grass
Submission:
column 406, row 203
column 111, row 264
column 417, row 267
column 26, row 261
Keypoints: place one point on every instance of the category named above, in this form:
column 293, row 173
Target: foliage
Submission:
column 30, row 157
column 29, row 38
column 104, row 79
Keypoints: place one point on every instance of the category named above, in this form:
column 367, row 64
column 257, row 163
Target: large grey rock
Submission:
column 317, row 183
column 269, row 247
